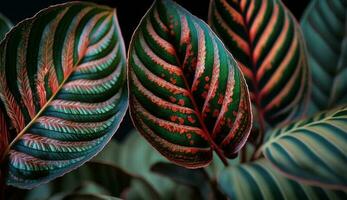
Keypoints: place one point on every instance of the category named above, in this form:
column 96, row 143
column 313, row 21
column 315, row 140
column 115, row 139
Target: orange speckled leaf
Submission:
column 187, row 94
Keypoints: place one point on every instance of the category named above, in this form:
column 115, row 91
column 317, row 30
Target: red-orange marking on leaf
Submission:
column 220, row 99
column 189, row 136
column 173, row 118
column 207, row 78
column 173, row 81
column 191, row 142
column 207, row 86
column 181, row 102
column 204, row 94
column 191, row 119
column 215, row 113
column 172, row 99
column 180, row 120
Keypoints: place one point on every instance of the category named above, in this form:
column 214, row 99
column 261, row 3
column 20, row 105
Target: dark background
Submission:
column 129, row 14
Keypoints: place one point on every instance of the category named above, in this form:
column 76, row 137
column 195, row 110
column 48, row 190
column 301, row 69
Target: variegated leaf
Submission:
column 187, row 94
column 313, row 151
column 266, row 40
column 324, row 26
column 258, row 180
column 62, row 90
column 5, row 26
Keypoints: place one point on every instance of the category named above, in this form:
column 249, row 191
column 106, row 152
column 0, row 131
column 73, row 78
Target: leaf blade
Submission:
column 70, row 96
column 312, row 151
column 173, row 59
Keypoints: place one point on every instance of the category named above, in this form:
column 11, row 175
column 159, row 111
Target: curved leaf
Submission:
column 266, row 40
column 324, row 26
column 186, row 91
column 109, row 180
column 312, row 151
column 258, row 180
column 136, row 156
column 5, row 26
column 68, row 94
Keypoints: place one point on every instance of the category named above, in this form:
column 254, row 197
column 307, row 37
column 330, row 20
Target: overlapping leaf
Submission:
column 266, row 41
column 258, row 180
column 62, row 90
column 186, row 91
column 324, row 26
column 312, row 151
column 5, row 26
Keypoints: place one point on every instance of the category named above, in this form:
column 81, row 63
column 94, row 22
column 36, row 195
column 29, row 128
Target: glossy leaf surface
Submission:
column 259, row 180
column 324, row 26
column 5, row 26
column 62, row 90
column 186, row 91
column 266, row 41
column 312, row 151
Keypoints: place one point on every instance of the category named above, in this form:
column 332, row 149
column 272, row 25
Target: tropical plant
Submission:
column 253, row 87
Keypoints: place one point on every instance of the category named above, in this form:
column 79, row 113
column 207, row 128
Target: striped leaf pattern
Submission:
column 62, row 90
column 266, row 41
column 187, row 93
column 5, row 26
column 324, row 26
column 312, row 151
column 258, row 180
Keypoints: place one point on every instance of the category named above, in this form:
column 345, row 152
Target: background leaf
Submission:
column 266, row 41
column 258, row 180
column 62, row 94
column 5, row 26
column 186, row 91
column 312, row 151
column 94, row 178
column 324, row 25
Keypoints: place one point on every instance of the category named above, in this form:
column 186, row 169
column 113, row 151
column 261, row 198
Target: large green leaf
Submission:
column 136, row 156
column 68, row 94
column 324, row 25
column 5, row 26
column 266, row 40
column 258, row 180
column 93, row 178
column 187, row 93
column 313, row 151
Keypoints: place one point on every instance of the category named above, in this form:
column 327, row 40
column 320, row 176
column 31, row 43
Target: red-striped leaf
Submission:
column 187, row 94
column 62, row 91
column 267, row 42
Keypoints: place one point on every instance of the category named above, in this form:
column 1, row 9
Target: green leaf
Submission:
column 62, row 93
column 187, row 94
column 136, row 156
column 89, row 197
column 266, row 40
column 5, row 26
column 94, row 178
column 258, row 180
column 312, row 151
column 324, row 25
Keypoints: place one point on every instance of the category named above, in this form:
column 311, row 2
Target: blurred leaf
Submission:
column 324, row 25
column 136, row 156
column 259, row 180
column 89, row 197
column 266, row 40
column 5, row 26
column 313, row 151
column 93, row 178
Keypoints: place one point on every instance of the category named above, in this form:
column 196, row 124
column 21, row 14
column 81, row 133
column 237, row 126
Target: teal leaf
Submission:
column 259, row 180
column 324, row 25
column 5, row 26
column 63, row 92
column 312, row 151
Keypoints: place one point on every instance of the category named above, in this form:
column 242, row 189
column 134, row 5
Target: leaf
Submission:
column 187, row 93
column 312, row 151
column 69, row 94
column 137, row 161
column 5, row 26
column 324, row 26
column 258, row 180
column 196, row 178
column 89, row 197
column 267, row 43
column 109, row 180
